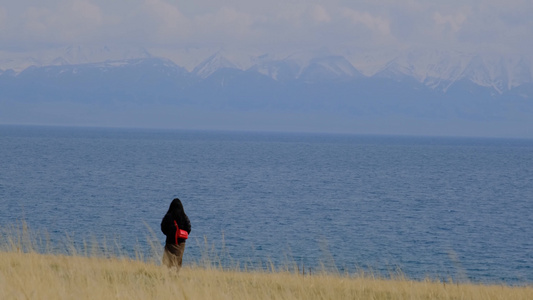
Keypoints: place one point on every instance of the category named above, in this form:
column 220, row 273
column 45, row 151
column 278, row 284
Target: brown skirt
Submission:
column 173, row 255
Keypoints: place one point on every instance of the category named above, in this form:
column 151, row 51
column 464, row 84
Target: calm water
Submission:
column 437, row 207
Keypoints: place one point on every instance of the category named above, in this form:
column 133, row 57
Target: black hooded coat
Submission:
column 175, row 213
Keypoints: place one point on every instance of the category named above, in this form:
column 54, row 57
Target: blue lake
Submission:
column 435, row 207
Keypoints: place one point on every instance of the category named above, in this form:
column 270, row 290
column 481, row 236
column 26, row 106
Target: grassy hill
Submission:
column 48, row 276
column 26, row 273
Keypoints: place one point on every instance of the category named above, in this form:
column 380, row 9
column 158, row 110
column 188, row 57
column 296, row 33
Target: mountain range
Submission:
column 414, row 87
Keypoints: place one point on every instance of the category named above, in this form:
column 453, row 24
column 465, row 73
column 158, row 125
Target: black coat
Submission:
column 169, row 229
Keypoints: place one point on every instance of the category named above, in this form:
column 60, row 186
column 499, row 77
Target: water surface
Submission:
column 440, row 207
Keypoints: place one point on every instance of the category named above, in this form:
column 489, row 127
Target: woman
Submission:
column 174, row 246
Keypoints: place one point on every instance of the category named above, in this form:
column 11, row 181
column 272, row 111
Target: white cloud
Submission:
column 168, row 15
column 453, row 21
column 281, row 23
column 37, row 20
column 224, row 23
column 375, row 23
column 168, row 21
column 320, row 14
column 72, row 21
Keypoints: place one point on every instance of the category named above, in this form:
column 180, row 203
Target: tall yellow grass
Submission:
column 45, row 276
column 26, row 274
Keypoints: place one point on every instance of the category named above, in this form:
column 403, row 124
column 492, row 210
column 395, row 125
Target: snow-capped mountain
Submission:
column 212, row 64
column 437, row 70
column 499, row 73
column 440, row 69
column 313, row 69
column 70, row 55
column 77, row 84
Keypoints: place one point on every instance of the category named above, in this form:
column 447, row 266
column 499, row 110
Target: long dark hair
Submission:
column 176, row 209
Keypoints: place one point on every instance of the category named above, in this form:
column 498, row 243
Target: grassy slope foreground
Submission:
column 47, row 276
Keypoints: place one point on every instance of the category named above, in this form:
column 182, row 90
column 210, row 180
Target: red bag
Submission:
column 180, row 233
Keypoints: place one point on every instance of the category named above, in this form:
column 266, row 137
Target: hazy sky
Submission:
column 494, row 25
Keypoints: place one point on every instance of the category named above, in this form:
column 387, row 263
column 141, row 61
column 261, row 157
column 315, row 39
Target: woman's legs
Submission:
column 173, row 255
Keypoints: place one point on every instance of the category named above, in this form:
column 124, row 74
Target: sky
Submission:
column 466, row 25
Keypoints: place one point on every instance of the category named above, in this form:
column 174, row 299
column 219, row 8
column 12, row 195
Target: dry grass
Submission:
column 46, row 276
column 27, row 274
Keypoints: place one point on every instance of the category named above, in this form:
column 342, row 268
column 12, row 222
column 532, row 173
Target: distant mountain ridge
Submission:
column 436, row 69
column 418, row 86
